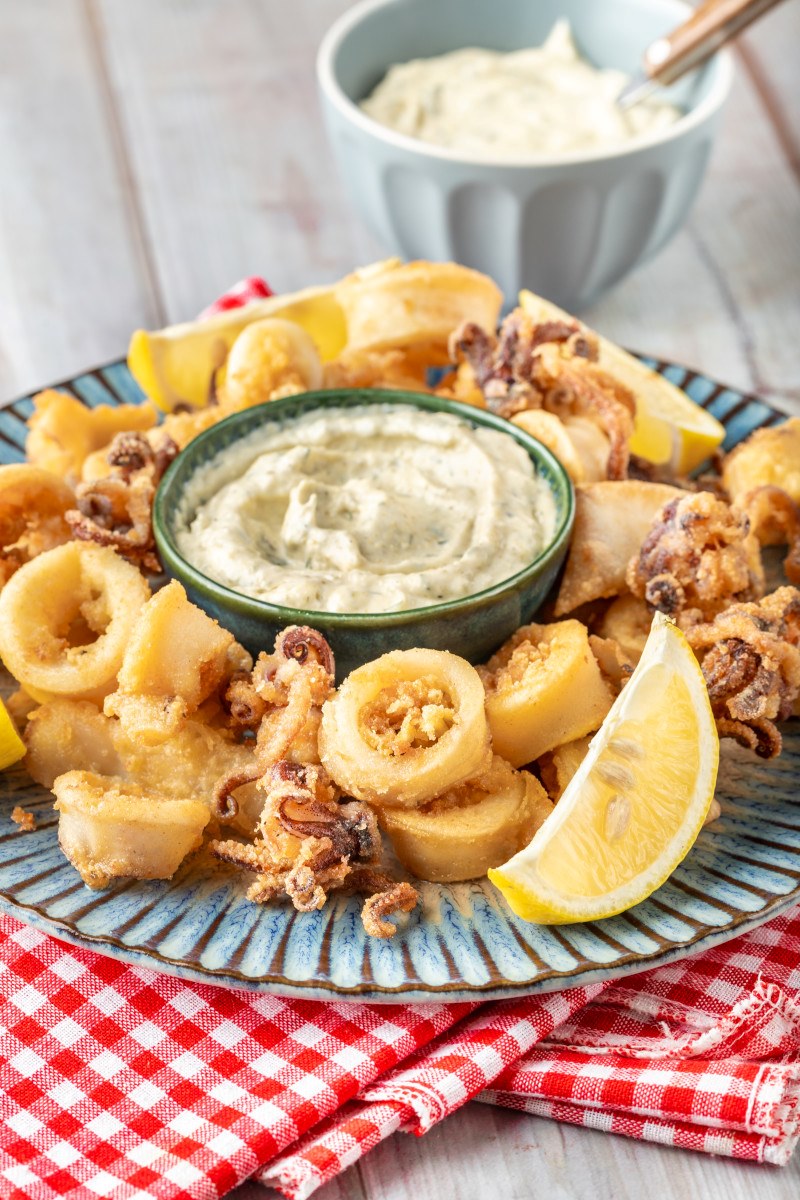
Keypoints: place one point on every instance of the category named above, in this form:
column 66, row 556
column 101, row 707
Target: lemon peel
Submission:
column 12, row 747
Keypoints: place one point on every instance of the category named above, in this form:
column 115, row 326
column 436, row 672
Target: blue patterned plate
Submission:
column 462, row 943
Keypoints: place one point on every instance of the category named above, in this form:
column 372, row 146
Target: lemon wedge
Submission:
column 636, row 804
column 177, row 365
column 12, row 747
column 670, row 427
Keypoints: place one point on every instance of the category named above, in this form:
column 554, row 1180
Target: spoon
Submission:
column 671, row 56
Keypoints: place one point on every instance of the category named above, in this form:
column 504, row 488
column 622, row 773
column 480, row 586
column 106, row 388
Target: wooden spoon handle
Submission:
column 712, row 24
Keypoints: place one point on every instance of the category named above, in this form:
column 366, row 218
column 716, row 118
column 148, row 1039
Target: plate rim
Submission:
column 373, row 992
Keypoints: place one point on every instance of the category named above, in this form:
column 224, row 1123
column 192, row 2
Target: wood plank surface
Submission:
column 156, row 150
column 485, row 1153
column 235, row 175
column 73, row 265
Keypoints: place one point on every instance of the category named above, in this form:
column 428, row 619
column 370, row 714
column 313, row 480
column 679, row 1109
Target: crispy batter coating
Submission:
column 750, row 656
column 32, row 507
column 775, row 520
column 26, row 820
column 767, row 457
column 63, row 432
column 408, row 714
column 698, row 558
column 405, row 369
column 550, row 365
column 116, row 510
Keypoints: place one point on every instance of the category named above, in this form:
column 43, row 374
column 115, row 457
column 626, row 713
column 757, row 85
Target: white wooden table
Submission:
column 153, row 151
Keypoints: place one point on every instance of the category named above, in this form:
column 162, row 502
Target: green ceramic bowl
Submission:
column 473, row 627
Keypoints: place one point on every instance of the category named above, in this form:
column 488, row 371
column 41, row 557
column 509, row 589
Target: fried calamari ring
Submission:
column 32, row 507
column 544, row 687
column 66, row 618
column 391, row 304
column 405, row 728
column 472, row 827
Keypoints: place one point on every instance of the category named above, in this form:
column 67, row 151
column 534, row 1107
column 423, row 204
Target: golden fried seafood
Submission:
column 460, row 384
column 71, row 735
column 615, row 665
column 182, row 426
column 611, row 521
column 117, row 510
column 550, row 365
column 281, row 701
column 66, row 618
column 768, row 457
column 110, row 829
column 32, row 507
column 399, row 897
column 750, row 656
column 406, row 727
column 543, row 687
column 578, row 444
column 559, row 765
column 392, row 304
column 775, row 521
column 74, row 735
column 176, row 658
column 627, row 622
column 404, row 369
column 698, row 557
column 308, row 842
column 271, row 356
column 469, row 828
column 63, row 432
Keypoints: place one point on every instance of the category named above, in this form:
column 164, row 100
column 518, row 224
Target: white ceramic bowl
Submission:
column 569, row 228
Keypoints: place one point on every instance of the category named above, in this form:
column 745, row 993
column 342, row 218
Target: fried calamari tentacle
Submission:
column 310, row 842
column 245, row 708
column 698, row 557
column 281, row 701
column 775, row 520
column 750, row 657
column 401, row 898
column 550, row 365
column 116, row 510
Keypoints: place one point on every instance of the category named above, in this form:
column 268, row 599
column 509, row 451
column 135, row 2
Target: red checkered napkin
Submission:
column 704, row 1054
column 118, row 1081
